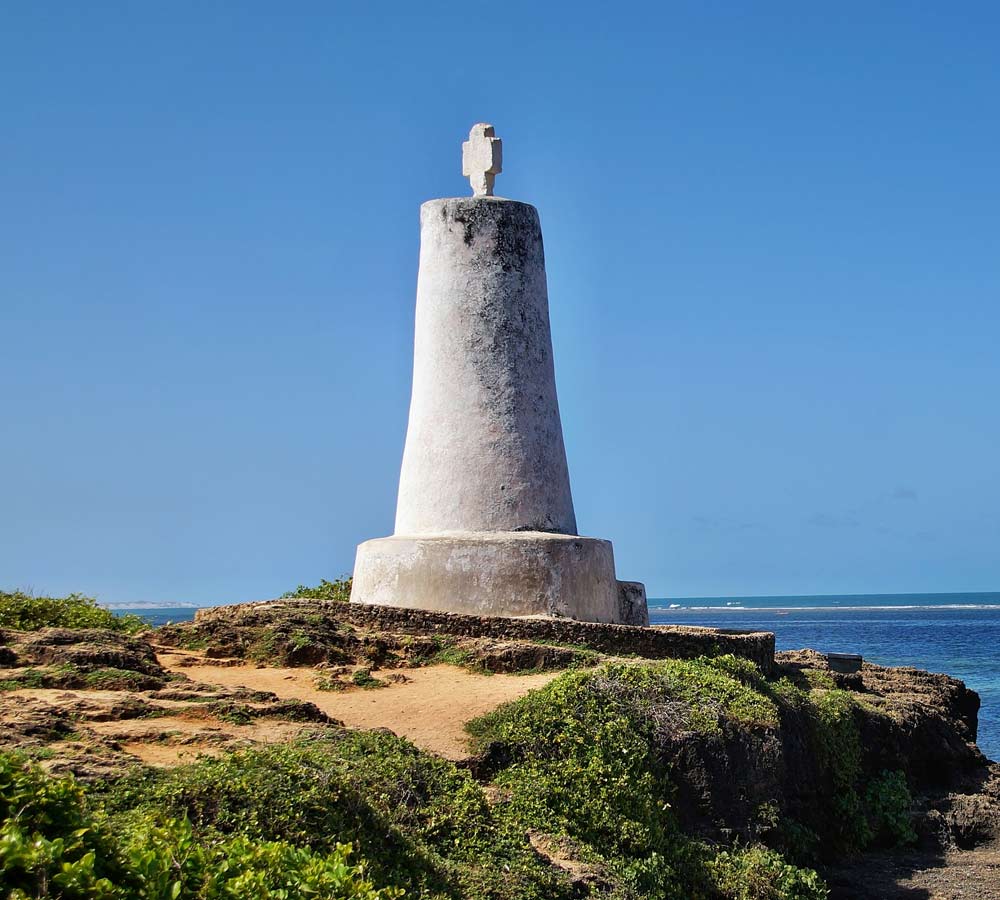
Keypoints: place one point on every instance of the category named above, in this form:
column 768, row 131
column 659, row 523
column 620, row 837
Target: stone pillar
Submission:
column 484, row 446
column 484, row 520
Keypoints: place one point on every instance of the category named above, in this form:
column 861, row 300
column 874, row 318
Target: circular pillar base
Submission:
column 523, row 573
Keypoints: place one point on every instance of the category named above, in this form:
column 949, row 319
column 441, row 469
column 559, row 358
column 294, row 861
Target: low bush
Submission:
column 585, row 764
column 52, row 844
column 339, row 590
column 28, row 613
column 421, row 823
column 168, row 859
column 756, row 873
column 888, row 802
column 363, row 678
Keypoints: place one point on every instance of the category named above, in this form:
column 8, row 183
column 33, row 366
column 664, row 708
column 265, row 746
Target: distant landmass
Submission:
column 150, row 604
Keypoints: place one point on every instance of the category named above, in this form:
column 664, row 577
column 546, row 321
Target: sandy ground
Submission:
column 430, row 708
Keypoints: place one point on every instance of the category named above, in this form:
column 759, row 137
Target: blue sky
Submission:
column 772, row 241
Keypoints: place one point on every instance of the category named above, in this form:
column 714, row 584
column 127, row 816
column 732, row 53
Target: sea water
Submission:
column 957, row 634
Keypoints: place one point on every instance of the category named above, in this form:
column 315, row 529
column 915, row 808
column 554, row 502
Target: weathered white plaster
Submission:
column 482, row 159
column 495, row 574
column 484, row 445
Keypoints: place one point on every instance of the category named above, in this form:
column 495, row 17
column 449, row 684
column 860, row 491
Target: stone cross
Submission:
column 482, row 156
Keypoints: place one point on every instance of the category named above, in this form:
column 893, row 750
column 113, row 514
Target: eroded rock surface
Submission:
column 96, row 703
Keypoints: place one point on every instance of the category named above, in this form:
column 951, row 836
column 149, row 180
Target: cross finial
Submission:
column 482, row 156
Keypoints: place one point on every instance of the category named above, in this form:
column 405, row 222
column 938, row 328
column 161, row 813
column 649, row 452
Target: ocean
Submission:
column 958, row 634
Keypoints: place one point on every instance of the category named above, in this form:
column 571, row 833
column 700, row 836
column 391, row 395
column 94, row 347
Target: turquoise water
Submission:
column 958, row 634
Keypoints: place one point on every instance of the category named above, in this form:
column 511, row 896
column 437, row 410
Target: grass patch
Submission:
column 454, row 656
column 191, row 640
column 111, row 679
column 363, row 678
column 266, row 649
column 71, row 677
column 27, row 678
column 330, row 683
column 299, row 640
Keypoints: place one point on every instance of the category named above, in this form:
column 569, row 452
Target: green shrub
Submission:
column 330, row 683
column 887, row 803
column 363, row 678
column 837, row 746
column 338, row 590
column 584, row 762
column 756, row 873
column 169, row 860
column 421, row 823
column 697, row 694
column 50, row 842
column 53, row 845
column 27, row 613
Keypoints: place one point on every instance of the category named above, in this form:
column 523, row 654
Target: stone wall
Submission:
column 658, row 642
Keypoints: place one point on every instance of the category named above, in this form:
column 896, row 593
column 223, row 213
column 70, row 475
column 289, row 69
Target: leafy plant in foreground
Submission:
column 756, row 873
column 420, row 822
column 53, row 845
column 888, row 801
column 50, row 843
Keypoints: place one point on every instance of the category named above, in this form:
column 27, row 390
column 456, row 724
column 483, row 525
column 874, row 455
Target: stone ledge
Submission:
column 507, row 574
column 656, row 642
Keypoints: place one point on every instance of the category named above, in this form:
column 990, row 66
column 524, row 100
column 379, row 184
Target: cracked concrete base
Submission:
column 524, row 573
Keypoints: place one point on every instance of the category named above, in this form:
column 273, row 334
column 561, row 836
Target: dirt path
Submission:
column 958, row 875
column 430, row 708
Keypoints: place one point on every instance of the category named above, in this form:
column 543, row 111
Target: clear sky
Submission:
column 772, row 239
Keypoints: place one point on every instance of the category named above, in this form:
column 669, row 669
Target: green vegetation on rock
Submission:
column 420, row 822
column 756, row 873
column 28, row 613
column 71, row 676
column 587, row 765
column 696, row 779
column 363, row 678
column 53, row 843
column 338, row 590
column 603, row 758
column 888, row 803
